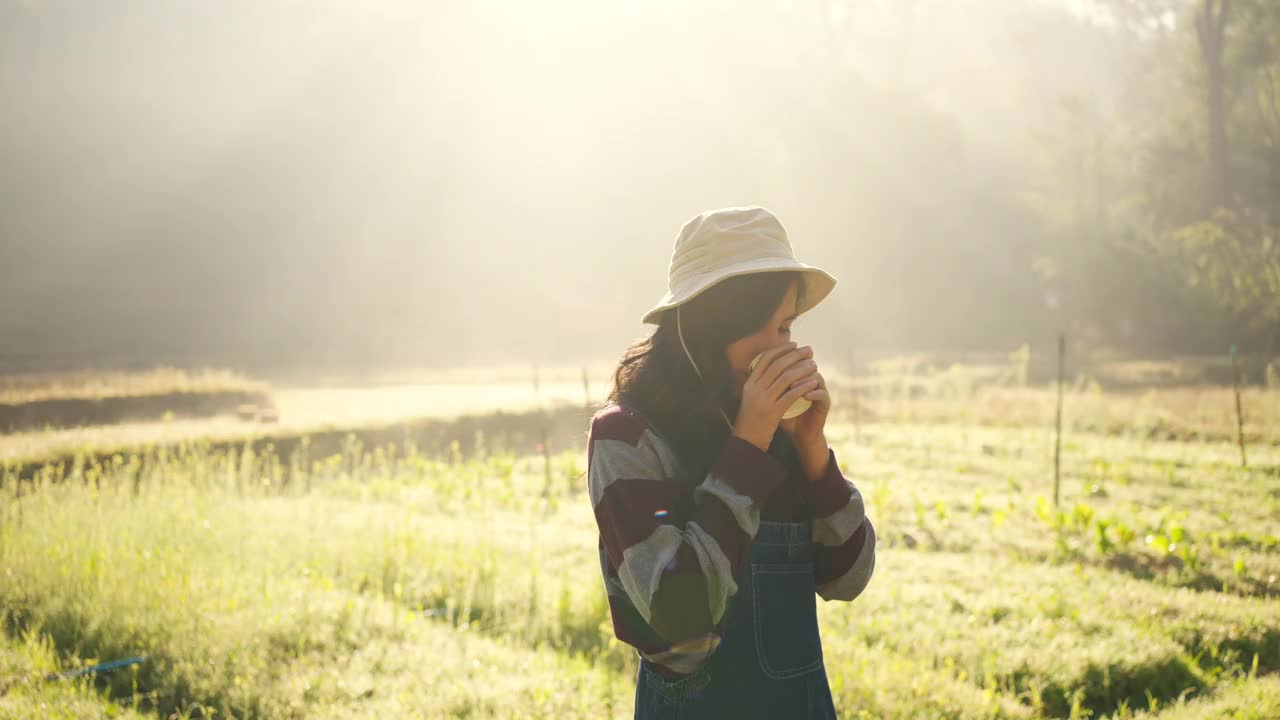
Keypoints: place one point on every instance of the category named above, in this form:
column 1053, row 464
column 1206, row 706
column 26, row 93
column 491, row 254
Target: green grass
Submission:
column 1243, row 699
column 403, row 585
column 1180, row 513
column 25, row 694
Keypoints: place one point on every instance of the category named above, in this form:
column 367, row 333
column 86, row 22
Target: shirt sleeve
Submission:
column 843, row 537
column 678, row 576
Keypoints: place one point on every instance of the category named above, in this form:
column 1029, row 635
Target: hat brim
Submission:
column 818, row 284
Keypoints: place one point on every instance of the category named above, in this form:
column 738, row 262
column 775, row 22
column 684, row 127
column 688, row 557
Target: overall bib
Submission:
column 769, row 662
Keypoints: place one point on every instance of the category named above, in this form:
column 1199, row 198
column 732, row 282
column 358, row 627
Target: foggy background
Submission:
column 283, row 185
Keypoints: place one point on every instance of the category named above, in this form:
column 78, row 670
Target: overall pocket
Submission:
column 658, row 698
column 786, row 619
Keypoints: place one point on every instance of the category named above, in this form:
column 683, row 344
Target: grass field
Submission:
column 308, row 409
column 466, row 585
column 20, row 388
column 41, row 401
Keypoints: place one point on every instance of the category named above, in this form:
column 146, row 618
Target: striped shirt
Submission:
column 669, row 578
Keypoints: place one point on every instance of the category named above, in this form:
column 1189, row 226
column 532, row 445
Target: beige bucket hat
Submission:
column 720, row 244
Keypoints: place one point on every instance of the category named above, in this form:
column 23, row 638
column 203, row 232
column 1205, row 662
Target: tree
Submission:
column 1232, row 251
column 1211, row 23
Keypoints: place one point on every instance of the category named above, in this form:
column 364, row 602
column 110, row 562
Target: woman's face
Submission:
column 775, row 331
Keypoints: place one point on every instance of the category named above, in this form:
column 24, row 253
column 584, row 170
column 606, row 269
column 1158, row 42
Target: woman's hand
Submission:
column 807, row 429
column 783, row 375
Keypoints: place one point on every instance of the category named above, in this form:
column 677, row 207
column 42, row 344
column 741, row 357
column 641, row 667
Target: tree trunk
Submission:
column 1211, row 21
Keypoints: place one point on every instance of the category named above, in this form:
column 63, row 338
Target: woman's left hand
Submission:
column 807, row 429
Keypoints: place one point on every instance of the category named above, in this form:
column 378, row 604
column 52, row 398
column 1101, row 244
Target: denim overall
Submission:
column 769, row 662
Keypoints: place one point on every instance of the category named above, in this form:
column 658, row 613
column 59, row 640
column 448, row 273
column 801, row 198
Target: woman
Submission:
column 719, row 519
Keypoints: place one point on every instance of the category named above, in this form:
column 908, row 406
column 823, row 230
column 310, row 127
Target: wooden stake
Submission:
column 1057, row 445
column 546, row 463
column 1235, row 381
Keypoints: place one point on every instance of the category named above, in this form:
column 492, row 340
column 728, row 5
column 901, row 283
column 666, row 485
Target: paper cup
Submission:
column 797, row 408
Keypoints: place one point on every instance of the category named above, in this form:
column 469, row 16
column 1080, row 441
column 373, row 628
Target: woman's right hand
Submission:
column 781, row 376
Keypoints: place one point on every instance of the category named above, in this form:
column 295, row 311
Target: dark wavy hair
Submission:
column 655, row 378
